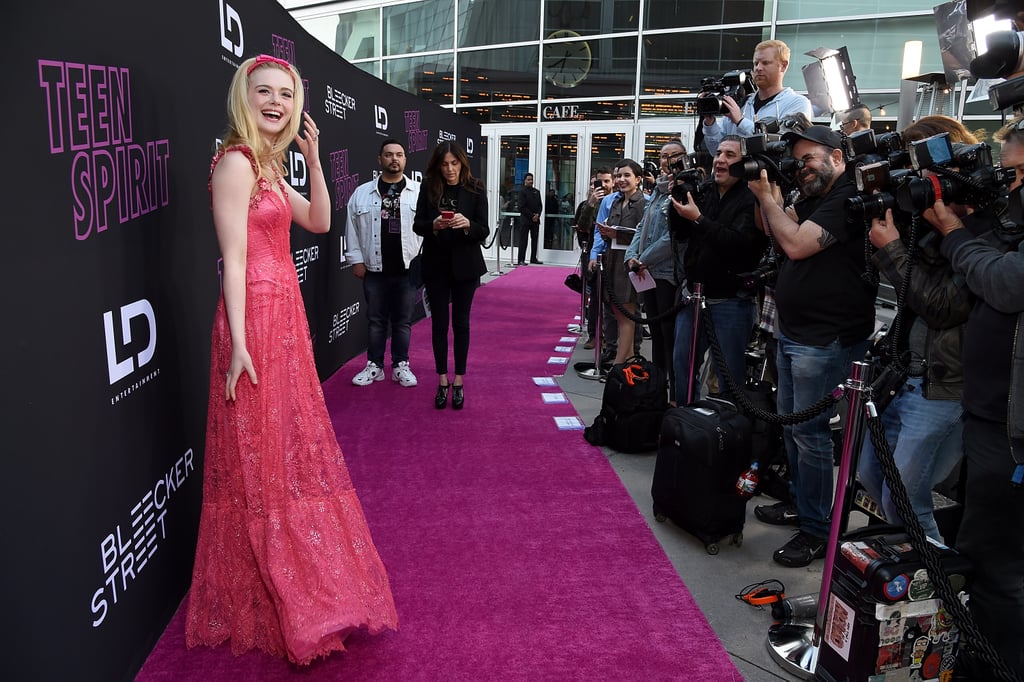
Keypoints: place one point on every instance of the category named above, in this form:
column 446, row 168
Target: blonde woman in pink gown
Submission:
column 284, row 560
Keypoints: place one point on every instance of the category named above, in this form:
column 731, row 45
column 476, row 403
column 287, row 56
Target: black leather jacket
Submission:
column 939, row 298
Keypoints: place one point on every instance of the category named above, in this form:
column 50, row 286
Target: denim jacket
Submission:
column 362, row 225
column 653, row 244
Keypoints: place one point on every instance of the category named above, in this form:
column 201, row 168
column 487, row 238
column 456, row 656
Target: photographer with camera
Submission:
column 655, row 253
column 826, row 313
column 923, row 423
column 993, row 401
column 770, row 100
column 718, row 221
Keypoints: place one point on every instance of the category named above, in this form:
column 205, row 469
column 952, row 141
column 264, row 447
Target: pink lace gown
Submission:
column 284, row 560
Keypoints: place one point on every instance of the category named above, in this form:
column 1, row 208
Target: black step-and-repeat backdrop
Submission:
column 110, row 278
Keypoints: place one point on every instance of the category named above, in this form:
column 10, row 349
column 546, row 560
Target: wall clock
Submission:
column 566, row 64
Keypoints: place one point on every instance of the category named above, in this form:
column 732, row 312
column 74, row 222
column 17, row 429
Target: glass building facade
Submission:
column 576, row 84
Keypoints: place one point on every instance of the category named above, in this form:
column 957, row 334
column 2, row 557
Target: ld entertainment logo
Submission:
column 129, row 341
column 232, row 37
column 380, row 118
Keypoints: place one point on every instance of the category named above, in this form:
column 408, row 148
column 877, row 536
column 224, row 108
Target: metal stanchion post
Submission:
column 497, row 242
column 583, row 370
column 697, row 298
column 794, row 643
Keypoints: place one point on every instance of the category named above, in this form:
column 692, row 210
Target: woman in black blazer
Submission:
column 451, row 216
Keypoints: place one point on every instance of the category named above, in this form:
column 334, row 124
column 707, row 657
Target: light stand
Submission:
column 795, row 643
column 498, row 240
column 697, row 299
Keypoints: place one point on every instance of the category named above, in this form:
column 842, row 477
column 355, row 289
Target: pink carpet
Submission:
column 514, row 551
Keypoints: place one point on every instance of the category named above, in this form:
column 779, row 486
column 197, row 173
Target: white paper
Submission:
column 623, row 236
column 641, row 284
column 569, row 424
column 563, row 349
column 568, row 339
column 558, row 360
column 544, row 381
column 554, row 398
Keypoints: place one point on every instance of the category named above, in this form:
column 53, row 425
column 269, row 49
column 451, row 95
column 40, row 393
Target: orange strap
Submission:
column 634, row 373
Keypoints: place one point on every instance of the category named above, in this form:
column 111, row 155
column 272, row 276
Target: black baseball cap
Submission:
column 818, row 134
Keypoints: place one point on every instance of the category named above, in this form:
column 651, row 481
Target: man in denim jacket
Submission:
column 380, row 244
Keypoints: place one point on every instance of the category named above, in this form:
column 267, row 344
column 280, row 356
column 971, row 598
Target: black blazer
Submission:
column 453, row 255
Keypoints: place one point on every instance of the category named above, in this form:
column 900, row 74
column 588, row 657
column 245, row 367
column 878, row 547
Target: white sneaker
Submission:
column 369, row 374
column 403, row 375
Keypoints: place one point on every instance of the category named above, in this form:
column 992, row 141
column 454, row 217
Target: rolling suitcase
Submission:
column 703, row 449
column 884, row 620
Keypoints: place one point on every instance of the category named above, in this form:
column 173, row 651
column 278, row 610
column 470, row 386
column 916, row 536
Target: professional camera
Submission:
column 735, row 84
column 865, row 147
column 761, row 153
column 975, row 180
column 763, row 275
column 877, row 185
column 687, row 176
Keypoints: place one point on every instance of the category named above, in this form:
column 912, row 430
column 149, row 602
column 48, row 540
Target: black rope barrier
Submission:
column 745, row 405
column 978, row 645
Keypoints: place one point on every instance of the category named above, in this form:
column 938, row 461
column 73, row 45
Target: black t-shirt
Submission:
column 450, row 198
column 758, row 102
column 825, row 296
column 392, row 262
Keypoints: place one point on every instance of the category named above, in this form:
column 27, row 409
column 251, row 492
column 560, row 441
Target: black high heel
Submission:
column 441, row 397
column 458, row 397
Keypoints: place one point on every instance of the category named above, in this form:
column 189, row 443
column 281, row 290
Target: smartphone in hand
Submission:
column 447, row 215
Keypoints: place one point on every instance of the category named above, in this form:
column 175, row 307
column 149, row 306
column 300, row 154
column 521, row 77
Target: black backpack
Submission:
column 634, row 401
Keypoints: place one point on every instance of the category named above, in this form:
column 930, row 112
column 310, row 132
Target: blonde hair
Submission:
column 781, row 49
column 1009, row 134
column 242, row 126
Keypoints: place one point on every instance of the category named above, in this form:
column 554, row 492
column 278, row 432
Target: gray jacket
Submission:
column 998, row 278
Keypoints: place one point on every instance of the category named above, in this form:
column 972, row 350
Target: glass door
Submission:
column 558, row 243
column 514, row 162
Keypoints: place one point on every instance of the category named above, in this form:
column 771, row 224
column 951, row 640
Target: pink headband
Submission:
column 267, row 59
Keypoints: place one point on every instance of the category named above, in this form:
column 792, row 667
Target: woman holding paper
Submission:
column 626, row 212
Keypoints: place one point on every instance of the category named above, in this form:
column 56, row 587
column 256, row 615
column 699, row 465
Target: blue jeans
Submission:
column 389, row 299
column 926, row 438
column 734, row 322
column 806, row 375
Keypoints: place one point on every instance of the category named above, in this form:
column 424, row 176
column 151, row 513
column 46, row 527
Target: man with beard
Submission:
column 771, row 101
column 826, row 314
column 380, row 245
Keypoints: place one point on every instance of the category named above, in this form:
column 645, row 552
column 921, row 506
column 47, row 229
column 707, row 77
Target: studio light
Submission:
column 912, row 50
column 831, row 85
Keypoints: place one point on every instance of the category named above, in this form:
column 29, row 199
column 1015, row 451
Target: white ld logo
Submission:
column 297, row 173
column 469, row 146
column 230, row 22
column 120, row 369
column 381, row 116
